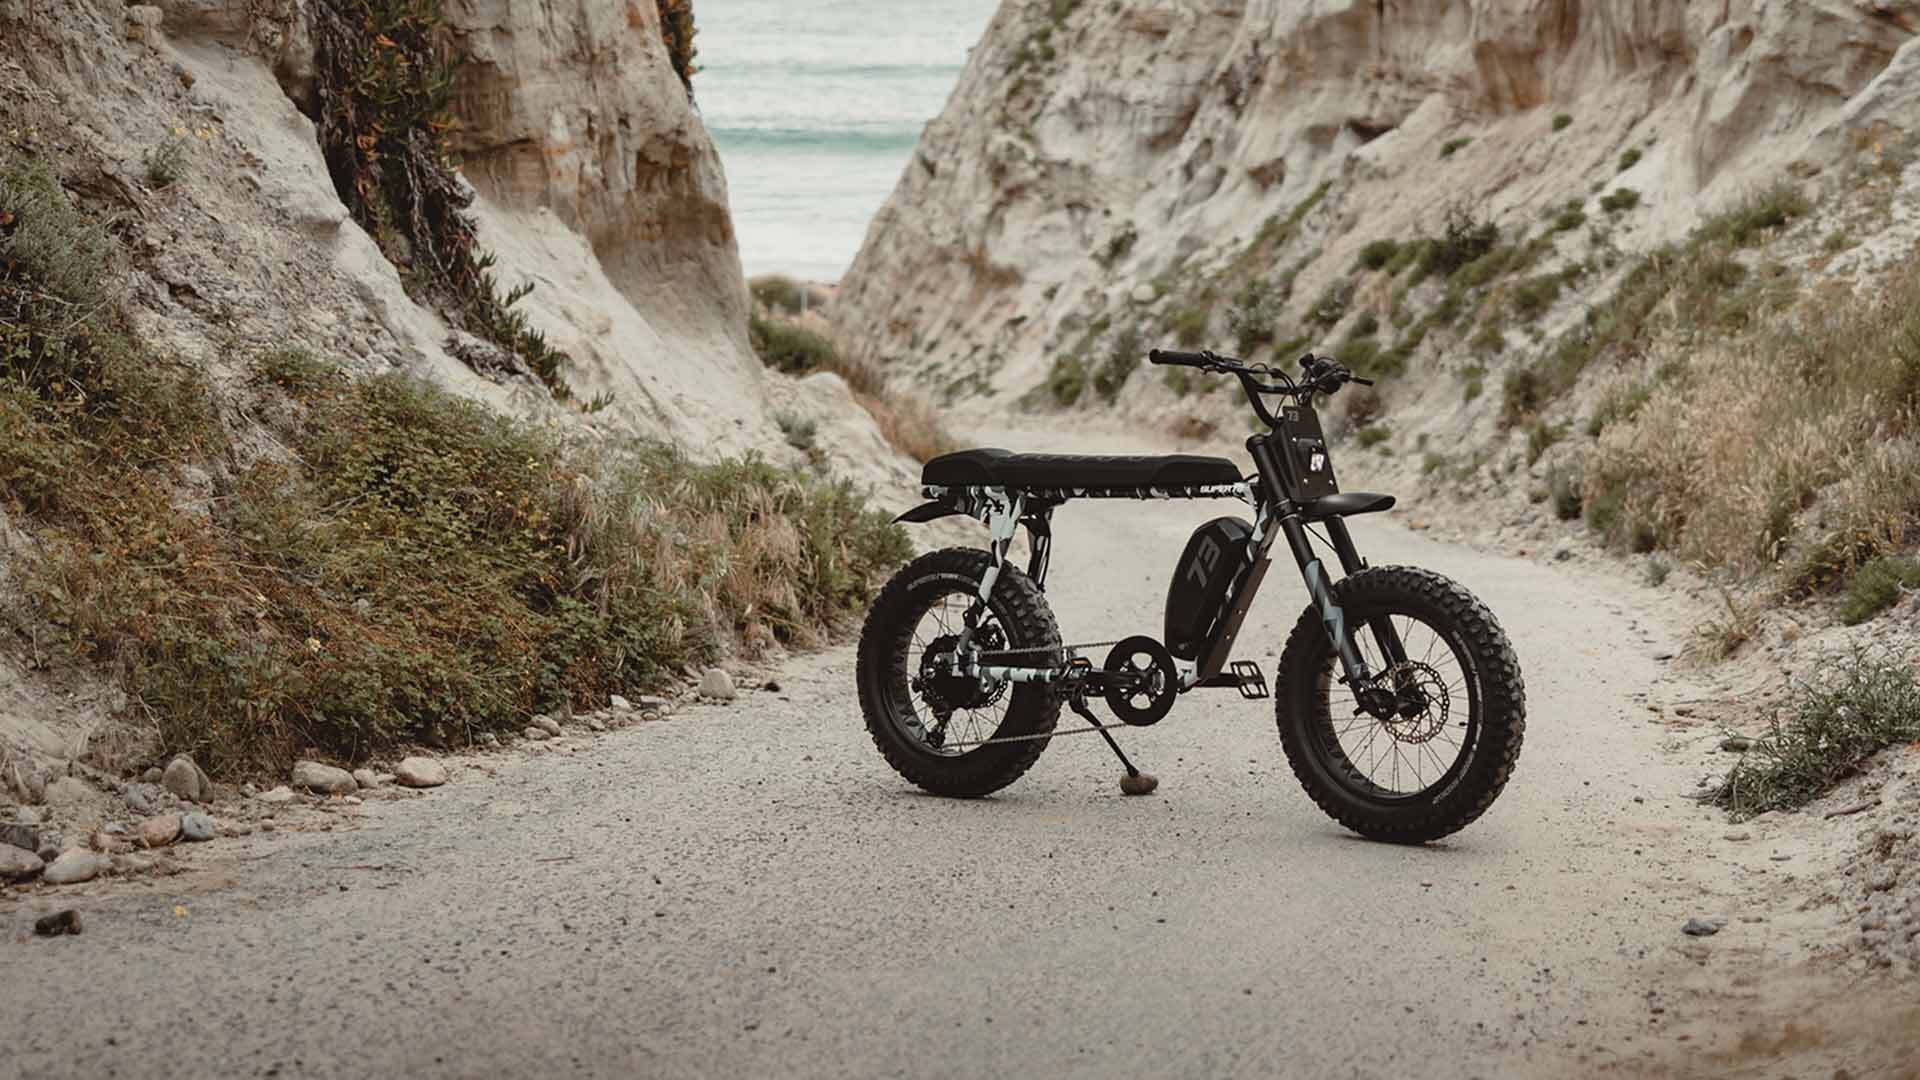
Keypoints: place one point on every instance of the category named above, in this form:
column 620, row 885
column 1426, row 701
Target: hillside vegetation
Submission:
column 307, row 562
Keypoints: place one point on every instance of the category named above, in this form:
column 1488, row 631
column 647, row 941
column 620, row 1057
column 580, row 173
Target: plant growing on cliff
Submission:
column 386, row 82
column 1254, row 314
column 677, row 30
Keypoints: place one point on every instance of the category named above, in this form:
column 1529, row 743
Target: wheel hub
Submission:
column 944, row 688
column 1417, row 703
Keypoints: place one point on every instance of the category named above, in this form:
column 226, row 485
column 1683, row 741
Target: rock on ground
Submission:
column 618, row 702
column 547, row 724
column 20, row 836
column 74, row 866
column 160, row 831
column 185, row 780
column 60, row 922
column 366, row 778
column 420, row 772
column 197, row 828
column 323, row 779
column 536, row 734
column 718, row 685
column 281, row 794
column 19, row 865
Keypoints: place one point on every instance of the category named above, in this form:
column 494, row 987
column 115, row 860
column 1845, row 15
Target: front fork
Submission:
column 1320, row 589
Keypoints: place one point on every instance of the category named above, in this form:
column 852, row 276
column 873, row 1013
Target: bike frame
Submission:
column 1280, row 510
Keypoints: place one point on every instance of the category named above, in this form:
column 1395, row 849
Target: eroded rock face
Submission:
column 598, row 180
column 1151, row 139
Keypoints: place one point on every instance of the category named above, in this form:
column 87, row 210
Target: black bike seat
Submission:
column 994, row 467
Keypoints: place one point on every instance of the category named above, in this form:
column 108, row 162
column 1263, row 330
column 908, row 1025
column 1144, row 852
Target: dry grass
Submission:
column 1766, row 446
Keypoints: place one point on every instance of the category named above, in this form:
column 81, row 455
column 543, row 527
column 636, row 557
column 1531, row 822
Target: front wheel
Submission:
column 1424, row 749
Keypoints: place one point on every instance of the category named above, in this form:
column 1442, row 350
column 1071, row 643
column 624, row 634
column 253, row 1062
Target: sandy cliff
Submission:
column 1104, row 165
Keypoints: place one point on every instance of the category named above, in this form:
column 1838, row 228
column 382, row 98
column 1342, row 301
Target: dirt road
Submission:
column 748, row 890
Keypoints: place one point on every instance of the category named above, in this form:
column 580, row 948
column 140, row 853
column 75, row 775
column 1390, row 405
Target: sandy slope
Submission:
column 749, row 890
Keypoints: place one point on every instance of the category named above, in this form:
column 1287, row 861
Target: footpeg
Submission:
column 1253, row 685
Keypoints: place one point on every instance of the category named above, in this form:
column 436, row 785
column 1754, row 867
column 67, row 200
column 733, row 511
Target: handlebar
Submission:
column 1319, row 375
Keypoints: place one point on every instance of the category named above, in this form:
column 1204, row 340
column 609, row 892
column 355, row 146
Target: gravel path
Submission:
column 749, row 889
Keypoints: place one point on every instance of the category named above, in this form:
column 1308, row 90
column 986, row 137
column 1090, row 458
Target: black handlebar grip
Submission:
column 1189, row 359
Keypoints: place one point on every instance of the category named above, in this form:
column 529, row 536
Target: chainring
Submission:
column 1155, row 682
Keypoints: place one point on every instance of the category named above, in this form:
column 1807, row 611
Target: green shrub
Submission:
column 1332, row 305
column 1432, row 463
column 1122, row 360
column 166, row 161
column 1372, row 435
column 1758, row 214
column 1540, row 438
column 1563, row 489
column 1619, row 200
column 1876, row 586
column 1367, row 325
column 1569, row 218
column 1067, row 380
column 1453, row 146
column 1119, row 245
column 1562, row 121
column 1657, row 571
column 1178, row 380
column 1629, row 159
column 1860, row 705
column 1253, row 317
column 1378, row 254
column 1359, row 354
column 792, row 349
column 802, row 432
column 777, row 292
column 1463, row 240
column 1488, row 341
column 1190, row 326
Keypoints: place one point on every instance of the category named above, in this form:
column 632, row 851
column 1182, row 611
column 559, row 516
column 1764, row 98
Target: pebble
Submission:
column 160, row 831
column 1735, row 744
column 153, row 775
column 61, row 922
column 197, row 828
column 1739, row 834
column 488, row 739
column 74, row 866
column 111, row 843
column 366, row 778
column 594, row 723
column 323, row 779
column 618, row 702
column 27, row 815
column 537, row 734
column 649, row 701
column 717, row 685
column 281, row 794
column 649, row 716
column 351, row 800
column 547, row 724
column 1698, row 927
column 19, row 865
column 420, row 772
column 185, row 780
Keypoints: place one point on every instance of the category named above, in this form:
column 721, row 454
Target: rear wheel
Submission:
column 1424, row 749
column 928, row 720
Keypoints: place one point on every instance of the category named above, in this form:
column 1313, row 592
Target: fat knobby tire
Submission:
column 1494, row 683
column 1021, row 611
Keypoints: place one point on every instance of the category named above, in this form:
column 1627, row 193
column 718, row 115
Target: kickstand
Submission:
column 1135, row 782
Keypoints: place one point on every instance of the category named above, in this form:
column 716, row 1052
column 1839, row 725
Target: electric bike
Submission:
column 1400, row 703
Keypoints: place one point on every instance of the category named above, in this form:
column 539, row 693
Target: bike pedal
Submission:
column 1253, row 685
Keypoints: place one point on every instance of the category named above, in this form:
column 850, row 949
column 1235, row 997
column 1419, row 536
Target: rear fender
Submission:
column 928, row 511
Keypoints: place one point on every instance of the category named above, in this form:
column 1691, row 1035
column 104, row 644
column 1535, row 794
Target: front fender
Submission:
column 927, row 511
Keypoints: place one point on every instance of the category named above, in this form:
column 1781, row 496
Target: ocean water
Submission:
column 815, row 106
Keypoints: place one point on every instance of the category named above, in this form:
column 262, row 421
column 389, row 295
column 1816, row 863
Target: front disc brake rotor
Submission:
column 1421, row 704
